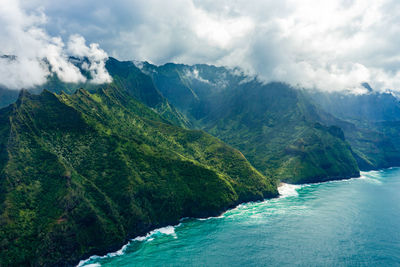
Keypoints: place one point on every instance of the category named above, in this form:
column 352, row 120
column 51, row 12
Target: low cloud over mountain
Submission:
column 30, row 53
column 333, row 45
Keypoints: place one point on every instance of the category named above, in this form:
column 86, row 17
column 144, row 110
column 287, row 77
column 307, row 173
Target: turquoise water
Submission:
column 352, row 222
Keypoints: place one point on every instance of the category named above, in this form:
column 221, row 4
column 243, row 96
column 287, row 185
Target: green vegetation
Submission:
column 273, row 125
column 83, row 170
column 269, row 125
column 369, row 122
column 81, row 173
column 128, row 77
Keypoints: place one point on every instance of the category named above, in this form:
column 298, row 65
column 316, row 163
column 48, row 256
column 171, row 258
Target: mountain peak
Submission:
column 23, row 94
column 367, row 86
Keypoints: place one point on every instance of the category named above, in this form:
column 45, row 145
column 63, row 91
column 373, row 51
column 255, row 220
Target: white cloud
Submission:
column 37, row 54
column 332, row 45
column 194, row 74
column 95, row 55
column 58, row 61
column 218, row 31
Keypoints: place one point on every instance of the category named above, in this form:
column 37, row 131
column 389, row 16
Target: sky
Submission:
column 328, row 45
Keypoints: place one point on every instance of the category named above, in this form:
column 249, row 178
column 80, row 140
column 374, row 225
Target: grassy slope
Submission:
column 270, row 123
column 126, row 76
column 81, row 173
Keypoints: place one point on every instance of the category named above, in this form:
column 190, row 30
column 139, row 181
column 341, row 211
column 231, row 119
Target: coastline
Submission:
column 156, row 228
column 287, row 189
column 162, row 228
column 274, row 228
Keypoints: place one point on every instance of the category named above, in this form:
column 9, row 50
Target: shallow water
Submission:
column 353, row 222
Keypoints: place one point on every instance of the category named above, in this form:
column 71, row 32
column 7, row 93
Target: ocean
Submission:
column 354, row 222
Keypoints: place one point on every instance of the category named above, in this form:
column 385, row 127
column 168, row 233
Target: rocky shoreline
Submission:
column 119, row 249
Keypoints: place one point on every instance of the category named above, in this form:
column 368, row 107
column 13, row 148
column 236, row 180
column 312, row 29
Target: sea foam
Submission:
column 167, row 230
column 288, row 190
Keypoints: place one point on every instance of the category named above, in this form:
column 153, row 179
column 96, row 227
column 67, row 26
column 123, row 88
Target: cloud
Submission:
column 194, row 74
column 96, row 58
column 330, row 45
column 36, row 54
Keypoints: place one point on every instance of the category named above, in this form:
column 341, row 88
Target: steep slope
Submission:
column 125, row 75
column 195, row 90
column 369, row 121
column 128, row 77
column 269, row 123
column 81, row 173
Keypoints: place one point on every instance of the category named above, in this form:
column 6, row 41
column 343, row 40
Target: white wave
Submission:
column 167, row 230
column 83, row 262
column 119, row 252
column 288, row 190
column 209, row 218
column 141, row 238
column 96, row 257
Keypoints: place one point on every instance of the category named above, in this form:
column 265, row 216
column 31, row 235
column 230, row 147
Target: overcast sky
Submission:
column 331, row 45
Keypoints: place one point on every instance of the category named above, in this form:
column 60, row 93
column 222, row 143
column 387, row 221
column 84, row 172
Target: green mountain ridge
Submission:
column 83, row 172
column 125, row 75
column 269, row 123
column 207, row 97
